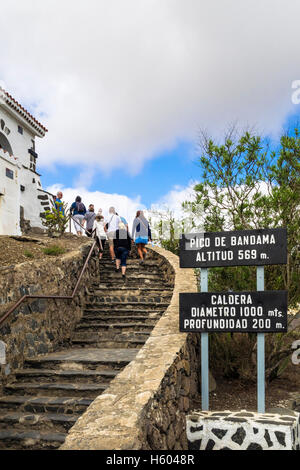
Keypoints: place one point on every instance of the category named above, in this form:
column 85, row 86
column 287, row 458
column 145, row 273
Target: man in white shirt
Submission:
column 112, row 227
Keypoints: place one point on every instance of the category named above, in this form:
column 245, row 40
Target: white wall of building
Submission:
column 9, row 195
column 24, row 188
column 20, row 143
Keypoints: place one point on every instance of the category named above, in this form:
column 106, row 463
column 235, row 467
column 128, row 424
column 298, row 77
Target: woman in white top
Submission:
column 99, row 230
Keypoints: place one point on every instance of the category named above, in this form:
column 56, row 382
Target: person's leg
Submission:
column 118, row 262
column 124, row 255
column 112, row 252
column 139, row 250
column 80, row 223
column 75, row 224
column 144, row 251
column 102, row 245
column 98, row 246
column 111, row 246
column 118, row 254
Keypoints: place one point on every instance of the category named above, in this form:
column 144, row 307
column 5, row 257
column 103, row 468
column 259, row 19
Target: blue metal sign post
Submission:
column 260, row 286
column 204, row 351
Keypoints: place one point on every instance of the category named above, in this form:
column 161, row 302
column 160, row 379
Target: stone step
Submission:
column 12, row 439
column 107, row 343
column 108, row 297
column 133, row 306
column 99, row 334
column 111, row 339
column 91, row 359
column 98, row 312
column 62, row 404
column 122, row 300
column 118, row 281
column 137, row 326
column 107, row 318
column 135, row 267
column 131, row 262
column 117, row 277
column 78, row 376
column 38, row 421
column 131, row 283
column 132, row 290
column 90, row 390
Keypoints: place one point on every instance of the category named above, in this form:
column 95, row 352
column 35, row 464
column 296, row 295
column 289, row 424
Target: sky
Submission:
column 124, row 87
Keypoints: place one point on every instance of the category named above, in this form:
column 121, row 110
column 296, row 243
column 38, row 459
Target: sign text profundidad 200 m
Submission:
column 257, row 312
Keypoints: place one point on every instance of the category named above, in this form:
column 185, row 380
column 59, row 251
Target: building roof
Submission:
column 17, row 107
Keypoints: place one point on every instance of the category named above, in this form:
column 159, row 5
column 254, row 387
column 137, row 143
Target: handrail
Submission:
column 61, row 297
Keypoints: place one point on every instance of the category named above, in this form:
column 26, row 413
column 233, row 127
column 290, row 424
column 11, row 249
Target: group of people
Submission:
column 114, row 231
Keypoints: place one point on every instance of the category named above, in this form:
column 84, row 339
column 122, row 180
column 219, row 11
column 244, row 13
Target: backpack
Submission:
column 80, row 207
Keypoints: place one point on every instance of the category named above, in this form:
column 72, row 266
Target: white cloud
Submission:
column 125, row 206
column 117, row 82
column 170, row 207
column 174, row 198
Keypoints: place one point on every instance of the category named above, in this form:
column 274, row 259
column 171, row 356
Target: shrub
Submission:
column 171, row 245
column 56, row 220
column 28, row 254
column 54, row 250
column 233, row 355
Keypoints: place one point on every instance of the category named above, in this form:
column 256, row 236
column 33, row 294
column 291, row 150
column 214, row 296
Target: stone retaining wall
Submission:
column 146, row 404
column 40, row 325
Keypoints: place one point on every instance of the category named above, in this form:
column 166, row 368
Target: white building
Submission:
column 22, row 199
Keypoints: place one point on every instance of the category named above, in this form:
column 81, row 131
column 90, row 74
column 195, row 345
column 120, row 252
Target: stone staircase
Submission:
column 49, row 394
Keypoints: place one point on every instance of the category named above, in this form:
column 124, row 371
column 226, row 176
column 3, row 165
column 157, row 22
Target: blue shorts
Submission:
column 142, row 240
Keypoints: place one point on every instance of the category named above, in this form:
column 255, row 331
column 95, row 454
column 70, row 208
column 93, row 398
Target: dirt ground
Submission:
column 15, row 250
column 234, row 395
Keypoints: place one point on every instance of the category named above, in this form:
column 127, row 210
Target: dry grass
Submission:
column 15, row 250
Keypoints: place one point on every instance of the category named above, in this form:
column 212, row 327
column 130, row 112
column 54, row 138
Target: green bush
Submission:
column 54, row 250
column 56, row 220
column 28, row 254
column 171, row 245
column 233, row 355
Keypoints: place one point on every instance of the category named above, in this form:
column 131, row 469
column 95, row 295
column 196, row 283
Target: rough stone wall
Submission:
column 145, row 405
column 244, row 430
column 40, row 325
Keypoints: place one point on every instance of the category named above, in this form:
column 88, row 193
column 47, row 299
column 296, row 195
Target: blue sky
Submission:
column 158, row 176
